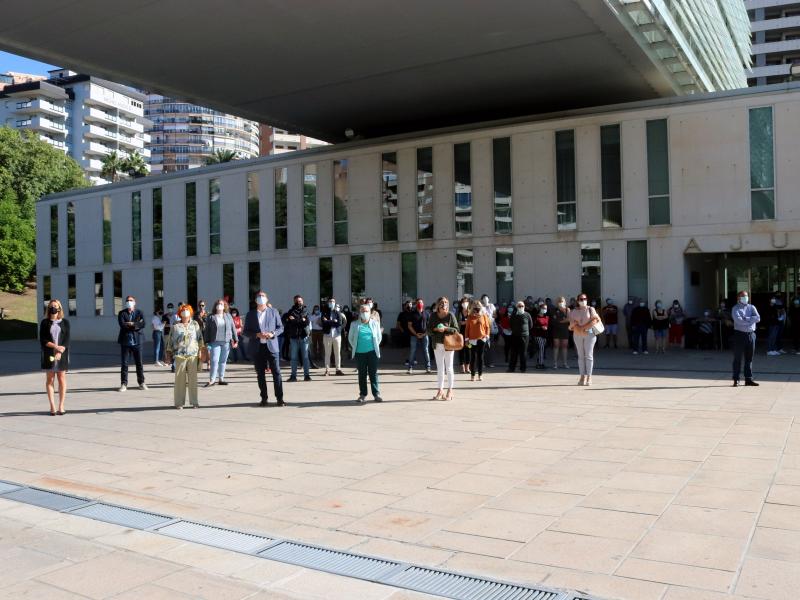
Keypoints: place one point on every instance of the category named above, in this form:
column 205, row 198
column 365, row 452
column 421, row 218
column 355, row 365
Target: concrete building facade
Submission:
column 775, row 26
column 687, row 198
column 278, row 141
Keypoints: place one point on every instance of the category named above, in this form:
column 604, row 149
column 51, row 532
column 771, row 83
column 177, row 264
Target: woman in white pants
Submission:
column 581, row 321
column 441, row 323
column 332, row 326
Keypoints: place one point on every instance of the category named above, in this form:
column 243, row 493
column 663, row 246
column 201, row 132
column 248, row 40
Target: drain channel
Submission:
column 437, row 582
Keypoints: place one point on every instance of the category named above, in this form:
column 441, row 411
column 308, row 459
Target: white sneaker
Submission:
column 123, row 388
column 410, row 371
column 635, row 353
column 645, row 352
column 773, row 353
column 781, row 351
column 143, row 386
column 361, row 400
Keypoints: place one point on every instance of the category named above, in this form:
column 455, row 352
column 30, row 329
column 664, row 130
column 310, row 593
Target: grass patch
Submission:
column 21, row 318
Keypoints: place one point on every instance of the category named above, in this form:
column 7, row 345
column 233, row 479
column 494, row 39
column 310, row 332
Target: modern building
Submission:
column 84, row 116
column 184, row 135
column 691, row 198
column 279, row 141
column 13, row 78
column 775, row 25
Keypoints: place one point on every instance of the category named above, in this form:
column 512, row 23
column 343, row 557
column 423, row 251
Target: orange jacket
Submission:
column 477, row 328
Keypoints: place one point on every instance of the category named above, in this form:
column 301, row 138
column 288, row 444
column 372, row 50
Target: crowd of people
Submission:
column 186, row 340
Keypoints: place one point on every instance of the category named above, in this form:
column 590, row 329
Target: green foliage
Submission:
column 113, row 165
column 222, row 156
column 134, row 165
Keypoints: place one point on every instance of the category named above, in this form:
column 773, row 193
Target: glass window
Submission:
column 325, row 277
column 253, row 215
column 425, row 193
column 762, row 164
column 72, row 303
column 98, row 294
column 253, row 279
column 158, row 225
column 47, row 289
column 340, row 199
column 464, row 273
column 358, row 278
column 214, row 209
column 389, row 196
column 191, row 285
column 590, row 270
column 136, row 225
column 107, row 229
column 658, row 171
column 504, row 262
column 191, row 219
column 408, row 274
column 637, row 269
column 566, row 205
column 281, row 215
column 71, row 234
column 53, row 236
column 501, row 166
column 309, row 206
column 611, row 176
column 117, row 291
column 462, row 188
column 158, row 289
column 228, row 282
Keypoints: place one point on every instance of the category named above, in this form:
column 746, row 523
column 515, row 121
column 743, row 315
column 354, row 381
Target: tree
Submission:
column 113, row 165
column 134, row 165
column 222, row 156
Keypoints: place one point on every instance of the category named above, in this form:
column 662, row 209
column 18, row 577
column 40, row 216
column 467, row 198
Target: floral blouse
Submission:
column 185, row 339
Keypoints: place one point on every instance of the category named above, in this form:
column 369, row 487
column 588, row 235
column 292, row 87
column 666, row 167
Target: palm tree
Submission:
column 222, row 156
column 134, row 165
column 113, row 165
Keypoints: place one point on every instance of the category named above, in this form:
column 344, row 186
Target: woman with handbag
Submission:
column 54, row 341
column 585, row 324
column 186, row 346
column 445, row 339
column 476, row 333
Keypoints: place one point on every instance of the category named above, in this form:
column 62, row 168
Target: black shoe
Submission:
column 263, row 403
column 750, row 382
column 735, row 383
column 291, row 380
column 339, row 372
column 221, row 382
column 281, row 403
column 313, row 365
column 509, row 370
column 307, row 378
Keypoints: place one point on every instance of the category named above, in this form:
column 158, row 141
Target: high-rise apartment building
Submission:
column 84, row 116
column 184, row 135
column 13, row 78
column 278, row 141
column 775, row 26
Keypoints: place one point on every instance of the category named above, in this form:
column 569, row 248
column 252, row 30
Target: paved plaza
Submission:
column 660, row 482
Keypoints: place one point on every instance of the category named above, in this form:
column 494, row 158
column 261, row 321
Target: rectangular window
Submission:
column 117, row 291
column 191, row 285
column 191, row 218
column 309, row 206
column 611, row 176
column 253, row 215
column 425, row 193
column 158, row 289
column 464, row 273
column 637, row 269
column 53, row 236
column 47, row 289
column 408, row 274
column 228, row 282
column 590, row 270
column 762, row 164
column 504, row 274
column 214, row 210
column 72, row 304
column 253, row 279
column 158, row 225
column 501, row 166
column 566, row 205
column 358, row 278
column 281, row 214
column 107, row 230
column 389, row 196
column 98, row 294
column 71, row 234
column 136, row 225
column 341, row 193
column 658, row 171
column 325, row 277
column 462, row 188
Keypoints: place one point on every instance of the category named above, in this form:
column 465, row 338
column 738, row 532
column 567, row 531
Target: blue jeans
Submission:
column 218, row 353
column 158, row 346
column 298, row 350
column 412, row 355
column 772, row 337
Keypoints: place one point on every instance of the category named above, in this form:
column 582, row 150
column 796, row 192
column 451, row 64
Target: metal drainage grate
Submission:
column 332, row 561
column 453, row 585
column 45, row 499
column 127, row 517
column 7, row 487
column 216, row 536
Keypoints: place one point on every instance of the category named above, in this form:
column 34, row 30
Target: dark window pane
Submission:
column 71, row 234
column 98, row 294
column 158, row 289
column 762, row 169
column 637, row 269
column 610, row 162
column 281, row 238
column 464, row 273
column 565, row 166
column 214, row 210
column 340, row 233
column 228, row 282
column 253, row 280
column 54, row 237
column 389, row 196
column 326, row 277
column 390, row 230
column 158, row 225
column 657, row 158
column 358, row 278
column 659, row 210
column 762, row 204
column 425, row 193
column 408, row 274
column 309, row 236
column 504, row 274
column 341, row 193
column 309, row 206
column 462, row 188
column 612, row 213
column 501, row 166
column 191, row 285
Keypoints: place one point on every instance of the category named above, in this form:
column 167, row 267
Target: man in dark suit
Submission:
column 262, row 326
column 130, row 338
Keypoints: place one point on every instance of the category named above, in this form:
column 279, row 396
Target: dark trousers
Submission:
column 367, row 364
column 476, row 358
column 507, row 345
column 744, row 345
column 317, row 348
column 519, row 349
column 262, row 359
column 631, row 335
column 136, row 352
column 239, row 348
column 640, row 338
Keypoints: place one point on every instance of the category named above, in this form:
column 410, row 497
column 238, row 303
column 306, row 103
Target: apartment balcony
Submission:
column 783, row 47
column 40, row 105
column 53, row 142
column 132, row 125
column 97, row 132
column 102, row 97
column 99, row 116
column 93, row 165
column 98, row 149
column 285, row 138
column 40, row 123
column 770, row 71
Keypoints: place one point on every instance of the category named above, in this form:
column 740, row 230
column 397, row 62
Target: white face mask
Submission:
column 220, row 308
column 261, row 300
column 743, row 300
column 465, row 305
column 331, row 305
column 521, row 308
column 185, row 313
column 562, row 305
column 130, row 304
column 582, row 303
column 369, row 305
column 364, row 316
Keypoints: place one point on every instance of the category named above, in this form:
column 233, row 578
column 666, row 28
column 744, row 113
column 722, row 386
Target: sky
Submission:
column 12, row 62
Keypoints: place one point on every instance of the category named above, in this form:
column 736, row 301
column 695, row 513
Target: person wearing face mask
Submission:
column 491, row 311
column 315, row 351
column 184, row 345
column 706, row 326
column 365, row 341
column 219, row 335
column 504, row 324
column 660, row 320
column 400, row 335
column 773, row 318
column 627, row 311
column 610, row 314
column 794, row 323
column 476, row 333
column 238, row 325
column 263, row 326
column 297, row 325
column 157, row 324
column 745, row 318
column 640, row 323
column 559, row 325
column 331, row 320
column 724, row 325
column 417, row 323
column 54, row 342
column 462, row 314
column 541, row 325
column 442, row 322
column 131, row 324
column 521, row 324
column 582, row 320
column 676, row 318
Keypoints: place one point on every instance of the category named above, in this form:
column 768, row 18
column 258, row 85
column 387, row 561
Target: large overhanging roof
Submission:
column 371, row 67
